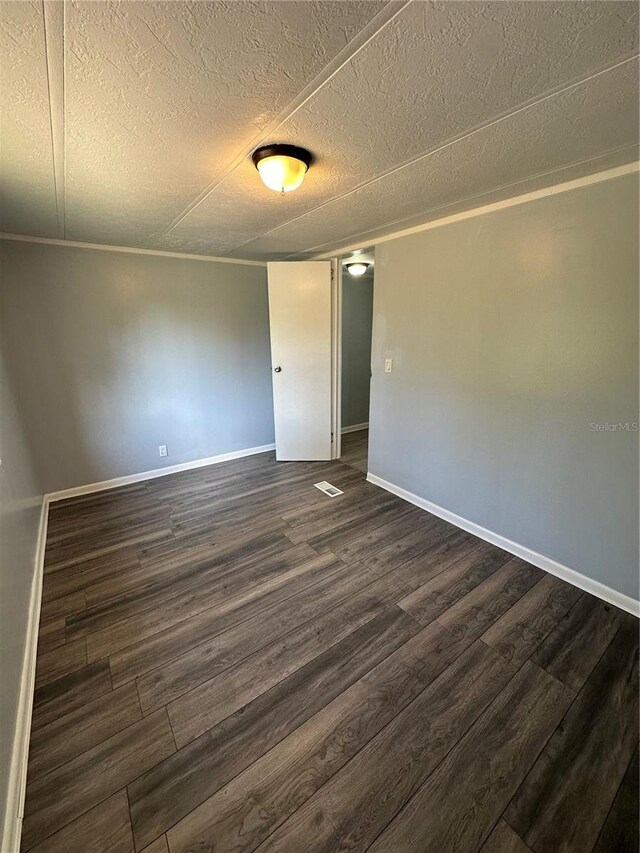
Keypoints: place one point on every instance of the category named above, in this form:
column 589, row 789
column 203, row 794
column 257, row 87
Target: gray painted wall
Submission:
column 20, row 503
column 115, row 354
column 357, row 312
column 511, row 333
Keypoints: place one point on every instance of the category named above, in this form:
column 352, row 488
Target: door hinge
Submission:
column 331, row 273
column 331, row 438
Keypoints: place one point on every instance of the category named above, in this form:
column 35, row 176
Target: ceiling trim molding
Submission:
column 514, row 201
column 129, row 250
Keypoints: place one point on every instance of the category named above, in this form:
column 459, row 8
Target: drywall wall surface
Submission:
column 115, row 354
column 20, row 504
column 514, row 338
column 357, row 309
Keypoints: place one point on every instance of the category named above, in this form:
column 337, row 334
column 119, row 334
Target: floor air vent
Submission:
column 328, row 489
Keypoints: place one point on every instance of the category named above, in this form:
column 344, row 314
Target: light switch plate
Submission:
column 388, row 365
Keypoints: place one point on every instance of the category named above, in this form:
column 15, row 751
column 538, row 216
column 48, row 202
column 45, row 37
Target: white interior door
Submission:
column 300, row 319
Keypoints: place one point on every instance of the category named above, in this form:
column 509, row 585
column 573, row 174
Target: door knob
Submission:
column 277, row 369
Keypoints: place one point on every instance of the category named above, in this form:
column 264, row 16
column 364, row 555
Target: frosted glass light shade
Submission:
column 282, row 167
column 357, row 268
column 282, row 173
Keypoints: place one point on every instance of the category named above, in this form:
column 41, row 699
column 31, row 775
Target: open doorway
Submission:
column 357, row 318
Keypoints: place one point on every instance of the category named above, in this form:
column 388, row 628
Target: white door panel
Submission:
column 301, row 357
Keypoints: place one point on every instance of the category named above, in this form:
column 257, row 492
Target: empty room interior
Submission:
column 319, row 426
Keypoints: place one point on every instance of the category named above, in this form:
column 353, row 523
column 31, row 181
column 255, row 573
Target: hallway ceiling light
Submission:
column 281, row 167
column 358, row 268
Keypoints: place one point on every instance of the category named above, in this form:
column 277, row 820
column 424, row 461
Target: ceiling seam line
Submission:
column 363, row 235
column 452, row 142
column 53, row 152
column 288, row 113
column 64, row 117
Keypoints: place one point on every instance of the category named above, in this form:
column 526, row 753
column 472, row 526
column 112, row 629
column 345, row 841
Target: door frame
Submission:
column 337, row 275
column 336, row 358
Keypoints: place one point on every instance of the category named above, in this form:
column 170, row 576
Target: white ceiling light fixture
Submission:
column 282, row 167
column 357, row 268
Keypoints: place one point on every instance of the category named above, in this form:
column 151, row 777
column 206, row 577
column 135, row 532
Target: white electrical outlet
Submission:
column 162, row 450
column 388, row 365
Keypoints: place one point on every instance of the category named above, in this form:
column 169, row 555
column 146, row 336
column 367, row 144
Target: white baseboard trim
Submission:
column 354, row 428
column 116, row 482
column 17, row 783
column 594, row 587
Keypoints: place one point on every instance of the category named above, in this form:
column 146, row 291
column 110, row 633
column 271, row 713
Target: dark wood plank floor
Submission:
column 355, row 449
column 229, row 660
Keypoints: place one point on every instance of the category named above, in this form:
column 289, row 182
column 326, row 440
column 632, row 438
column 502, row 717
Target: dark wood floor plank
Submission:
column 410, row 546
column 81, row 729
column 103, row 829
column 76, row 555
column 504, row 840
column 78, row 577
column 181, row 675
column 81, row 524
column 519, row 632
column 565, row 799
column 418, row 570
column 64, row 794
column 369, row 515
column 64, row 606
column 461, row 801
column 173, row 640
column 244, row 483
column 574, row 647
column 254, row 498
column 51, row 634
column 60, row 661
column 487, row 602
column 209, row 530
column 230, row 510
column 361, row 493
column 355, row 805
column 69, row 692
column 223, row 562
column 228, row 517
column 621, row 832
column 437, row 595
column 353, row 550
column 243, row 813
column 95, row 533
column 169, row 561
column 183, row 781
column 262, row 481
column 219, row 697
column 235, row 599
column 322, row 528
column 355, row 449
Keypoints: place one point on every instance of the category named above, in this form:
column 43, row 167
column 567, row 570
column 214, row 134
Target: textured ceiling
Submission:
column 131, row 123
